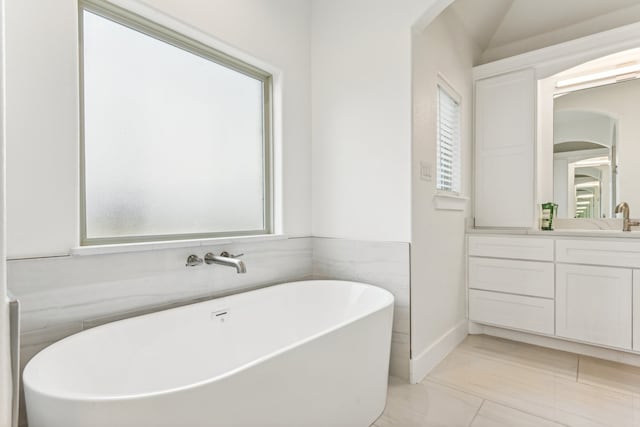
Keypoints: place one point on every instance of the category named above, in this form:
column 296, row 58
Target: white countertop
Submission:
column 635, row 234
column 571, row 227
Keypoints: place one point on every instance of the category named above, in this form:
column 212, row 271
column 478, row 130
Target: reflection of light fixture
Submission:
column 588, row 184
column 595, row 161
column 584, row 203
column 584, row 196
column 607, row 74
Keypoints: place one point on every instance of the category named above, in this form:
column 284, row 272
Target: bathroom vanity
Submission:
column 559, row 124
column 564, row 285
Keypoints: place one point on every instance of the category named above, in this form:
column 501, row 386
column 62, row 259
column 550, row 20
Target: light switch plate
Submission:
column 425, row 171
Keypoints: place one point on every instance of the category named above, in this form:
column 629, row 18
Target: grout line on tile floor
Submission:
column 610, row 390
column 454, row 387
column 477, row 412
column 551, row 420
column 578, row 370
column 499, row 402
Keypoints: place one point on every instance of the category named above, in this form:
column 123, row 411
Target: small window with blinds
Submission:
column 448, row 124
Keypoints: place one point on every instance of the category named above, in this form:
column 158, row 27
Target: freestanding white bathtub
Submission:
column 312, row 353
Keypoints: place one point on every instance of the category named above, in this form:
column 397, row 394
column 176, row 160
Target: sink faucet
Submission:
column 627, row 223
column 225, row 258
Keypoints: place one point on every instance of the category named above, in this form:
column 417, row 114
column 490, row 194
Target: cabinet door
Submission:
column 504, row 150
column 593, row 304
column 636, row 310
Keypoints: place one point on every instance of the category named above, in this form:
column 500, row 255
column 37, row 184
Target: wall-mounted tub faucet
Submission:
column 193, row 260
column 225, row 258
column 627, row 223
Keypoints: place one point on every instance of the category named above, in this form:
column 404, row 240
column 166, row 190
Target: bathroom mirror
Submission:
column 596, row 137
column 584, row 155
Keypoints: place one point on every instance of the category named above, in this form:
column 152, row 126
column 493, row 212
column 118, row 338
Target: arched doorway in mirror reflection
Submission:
column 584, row 161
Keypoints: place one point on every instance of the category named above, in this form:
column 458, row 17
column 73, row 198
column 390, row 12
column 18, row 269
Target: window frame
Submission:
column 164, row 34
column 444, row 86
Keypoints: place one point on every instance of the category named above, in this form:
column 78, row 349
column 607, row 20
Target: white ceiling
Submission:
column 507, row 27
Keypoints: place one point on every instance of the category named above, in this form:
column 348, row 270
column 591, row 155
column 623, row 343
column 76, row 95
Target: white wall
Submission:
column 42, row 123
column 619, row 101
column 42, row 107
column 5, row 354
column 361, row 117
column 438, row 236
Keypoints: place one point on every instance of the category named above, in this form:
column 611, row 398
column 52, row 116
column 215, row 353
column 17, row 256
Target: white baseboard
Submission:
column 475, row 328
column 558, row 343
column 421, row 365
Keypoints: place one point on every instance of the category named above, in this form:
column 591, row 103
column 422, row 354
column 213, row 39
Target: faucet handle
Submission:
column 228, row 255
column 193, row 260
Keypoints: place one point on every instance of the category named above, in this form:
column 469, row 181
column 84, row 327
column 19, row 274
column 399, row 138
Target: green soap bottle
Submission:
column 548, row 213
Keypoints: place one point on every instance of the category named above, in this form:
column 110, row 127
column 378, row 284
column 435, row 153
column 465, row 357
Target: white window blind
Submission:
column 448, row 124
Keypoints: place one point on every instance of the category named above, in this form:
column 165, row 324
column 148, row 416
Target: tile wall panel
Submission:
column 384, row 264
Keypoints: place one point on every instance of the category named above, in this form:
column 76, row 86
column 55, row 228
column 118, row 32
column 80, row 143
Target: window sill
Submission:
column 449, row 202
column 175, row 244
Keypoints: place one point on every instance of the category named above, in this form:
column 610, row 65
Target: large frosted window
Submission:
column 175, row 139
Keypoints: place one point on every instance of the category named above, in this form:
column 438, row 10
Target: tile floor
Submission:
column 491, row 382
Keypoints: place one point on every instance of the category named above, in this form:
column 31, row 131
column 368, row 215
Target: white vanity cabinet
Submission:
column 584, row 290
column 594, row 304
column 504, row 149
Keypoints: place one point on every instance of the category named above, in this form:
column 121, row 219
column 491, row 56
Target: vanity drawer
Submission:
column 531, row 248
column 598, row 252
column 530, row 278
column 512, row 311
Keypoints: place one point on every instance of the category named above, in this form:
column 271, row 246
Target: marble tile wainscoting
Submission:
column 60, row 296
column 385, row 264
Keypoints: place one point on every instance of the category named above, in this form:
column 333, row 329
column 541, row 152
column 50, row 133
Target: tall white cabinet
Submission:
column 505, row 108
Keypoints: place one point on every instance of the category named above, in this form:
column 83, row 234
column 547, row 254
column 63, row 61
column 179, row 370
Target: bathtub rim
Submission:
column 386, row 303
